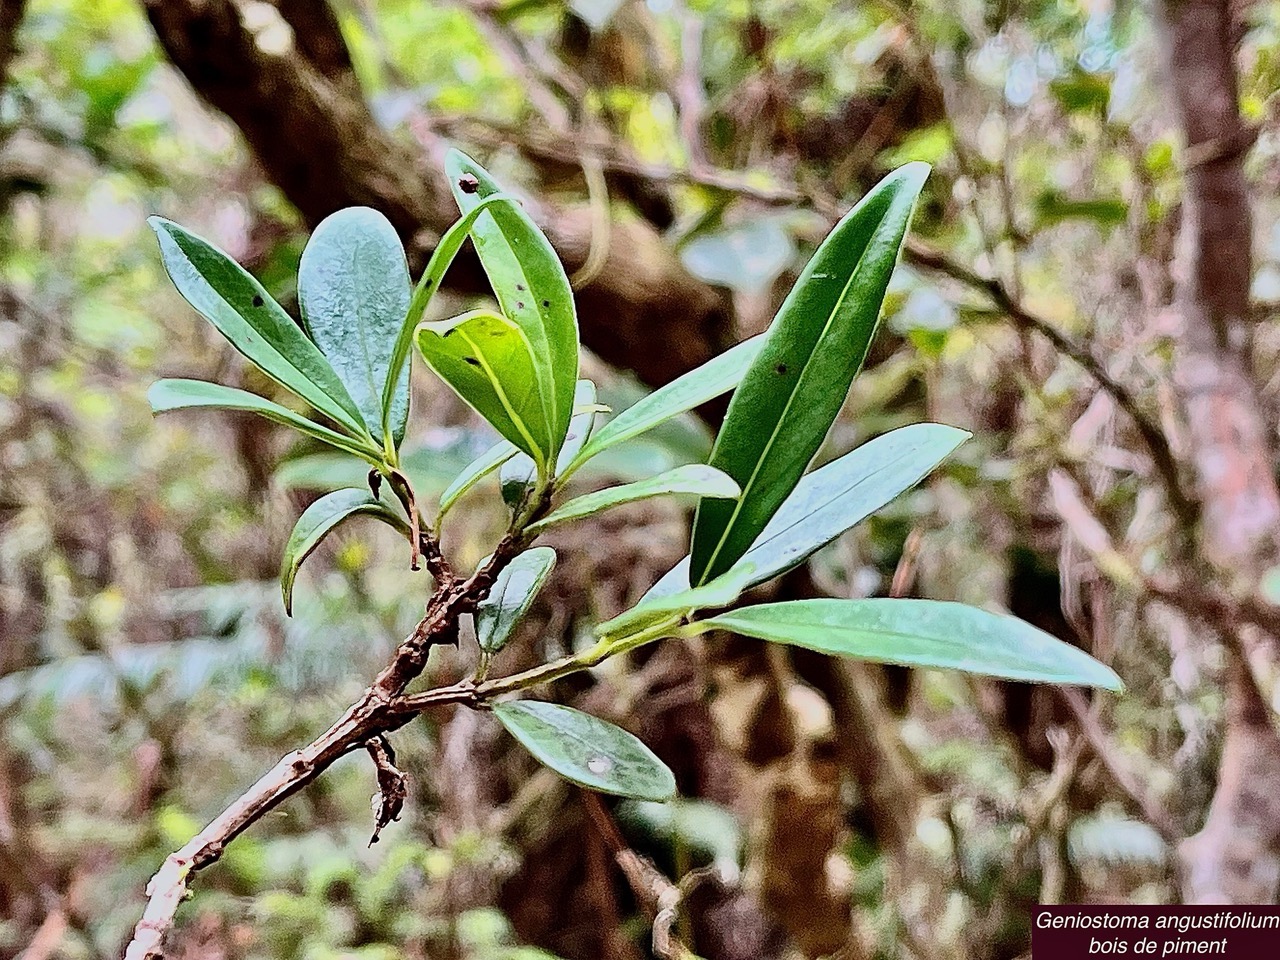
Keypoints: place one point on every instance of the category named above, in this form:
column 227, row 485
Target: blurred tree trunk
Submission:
column 1236, row 856
column 299, row 107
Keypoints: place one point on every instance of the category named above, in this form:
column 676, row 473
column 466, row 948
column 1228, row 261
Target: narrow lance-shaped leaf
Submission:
column 510, row 597
column 240, row 308
column 581, row 424
column 167, row 395
column 716, row 376
column 488, row 362
column 473, row 473
column 319, row 520
column 720, row 592
column 695, row 479
column 531, row 286
column 836, row 497
column 586, row 750
column 353, row 290
column 786, row 402
column 920, row 633
column 441, row 259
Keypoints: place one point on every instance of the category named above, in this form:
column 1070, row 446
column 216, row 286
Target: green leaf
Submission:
column 694, row 478
column 473, row 473
column 920, row 633
column 787, row 400
column 720, row 592
column 239, row 306
column 835, row 498
column 531, row 286
column 488, row 362
column 353, row 291
column 167, row 395
column 580, row 425
column 319, row 520
column 695, row 388
column 587, row 750
column 441, row 259
column 513, row 592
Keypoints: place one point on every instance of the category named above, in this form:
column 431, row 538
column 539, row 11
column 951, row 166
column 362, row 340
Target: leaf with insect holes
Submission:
column 586, row 750
column 167, row 395
column 695, row 479
column 718, row 375
column 834, row 498
column 441, row 259
column 488, row 362
column 243, row 312
column 510, row 597
column 920, row 633
column 319, row 520
column 353, row 291
column 531, row 286
column 782, row 410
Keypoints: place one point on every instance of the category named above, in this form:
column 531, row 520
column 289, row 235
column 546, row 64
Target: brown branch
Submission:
column 1153, row 437
column 660, row 897
column 382, row 709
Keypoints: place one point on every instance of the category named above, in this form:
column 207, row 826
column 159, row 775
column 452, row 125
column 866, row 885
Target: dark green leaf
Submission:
column 531, row 286
column 695, row 478
column 353, row 290
column 319, row 520
column 489, row 363
column 586, row 750
column 836, row 497
column 695, row 388
column 921, row 633
column 793, row 390
column 242, row 310
column 512, row 594
column 166, row 395
column 441, row 259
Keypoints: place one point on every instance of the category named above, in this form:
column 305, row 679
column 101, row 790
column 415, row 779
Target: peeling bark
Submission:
column 1235, row 858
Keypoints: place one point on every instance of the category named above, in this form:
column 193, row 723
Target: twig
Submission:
column 380, row 710
column 1102, row 748
column 660, row 896
column 1153, row 437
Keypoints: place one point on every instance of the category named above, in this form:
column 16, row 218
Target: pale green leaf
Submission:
column 353, row 291
column 920, row 633
column 695, row 479
column 510, row 597
column 586, row 750
column 319, row 520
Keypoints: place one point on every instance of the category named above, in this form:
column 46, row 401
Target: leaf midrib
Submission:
column 777, row 427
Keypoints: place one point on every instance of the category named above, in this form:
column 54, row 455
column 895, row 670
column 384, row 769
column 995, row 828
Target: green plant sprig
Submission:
column 760, row 510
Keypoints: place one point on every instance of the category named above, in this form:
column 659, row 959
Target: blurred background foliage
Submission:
column 147, row 670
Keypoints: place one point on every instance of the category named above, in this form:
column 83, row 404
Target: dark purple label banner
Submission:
column 1077, row 932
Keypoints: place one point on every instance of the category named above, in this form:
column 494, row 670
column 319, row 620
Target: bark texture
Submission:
column 1235, row 858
